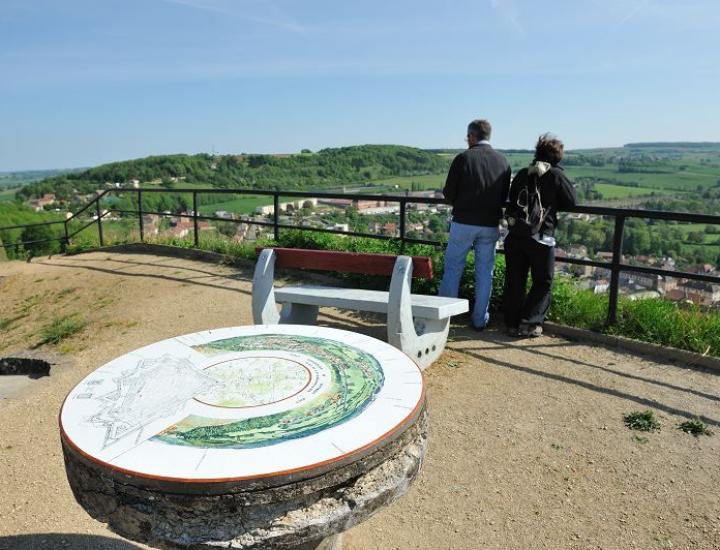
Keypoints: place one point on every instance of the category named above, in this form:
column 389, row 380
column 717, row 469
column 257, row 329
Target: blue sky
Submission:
column 83, row 82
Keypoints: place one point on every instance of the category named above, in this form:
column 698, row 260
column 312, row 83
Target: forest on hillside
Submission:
column 328, row 167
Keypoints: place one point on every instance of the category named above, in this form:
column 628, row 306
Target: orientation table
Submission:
column 264, row 436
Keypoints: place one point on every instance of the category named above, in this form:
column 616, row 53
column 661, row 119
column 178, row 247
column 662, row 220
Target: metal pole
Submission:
column 403, row 205
column 67, row 234
column 195, row 220
column 99, row 221
column 140, row 216
column 615, row 269
column 276, row 215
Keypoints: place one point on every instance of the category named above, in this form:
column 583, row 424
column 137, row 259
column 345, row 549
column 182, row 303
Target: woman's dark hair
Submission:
column 549, row 149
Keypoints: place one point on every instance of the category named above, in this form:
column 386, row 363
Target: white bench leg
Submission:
column 298, row 314
column 422, row 339
column 264, row 308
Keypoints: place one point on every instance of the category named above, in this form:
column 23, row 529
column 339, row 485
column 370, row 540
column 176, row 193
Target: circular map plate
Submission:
column 243, row 403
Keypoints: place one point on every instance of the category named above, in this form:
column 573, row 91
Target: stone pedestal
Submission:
column 277, row 437
column 305, row 515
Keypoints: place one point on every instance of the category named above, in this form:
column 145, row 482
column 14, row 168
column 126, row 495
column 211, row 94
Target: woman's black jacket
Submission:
column 556, row 193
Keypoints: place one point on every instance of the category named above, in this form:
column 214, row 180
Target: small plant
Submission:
column 640, row 439
column 643, row 421
column 453, row 364
column 60, row 328
column 695, row 427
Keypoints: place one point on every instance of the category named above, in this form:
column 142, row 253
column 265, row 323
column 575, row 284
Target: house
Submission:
column 577, row 251
column 700, row 292
column 598, row 286
column 390, row 229
column 643, row 280
column 40, row 204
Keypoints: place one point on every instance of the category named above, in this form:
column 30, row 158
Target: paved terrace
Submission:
column 527, row 449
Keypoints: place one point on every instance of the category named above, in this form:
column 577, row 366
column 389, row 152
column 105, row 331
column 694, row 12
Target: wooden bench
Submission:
column 416, row 324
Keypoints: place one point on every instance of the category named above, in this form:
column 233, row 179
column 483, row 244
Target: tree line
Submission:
column 345, row 165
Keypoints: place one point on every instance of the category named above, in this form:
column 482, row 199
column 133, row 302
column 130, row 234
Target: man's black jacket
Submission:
column 556, row 193
column 477, row 186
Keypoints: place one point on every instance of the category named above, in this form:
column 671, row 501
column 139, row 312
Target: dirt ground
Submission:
column 527, row 449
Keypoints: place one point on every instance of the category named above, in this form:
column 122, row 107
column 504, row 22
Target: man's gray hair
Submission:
column 481, row 129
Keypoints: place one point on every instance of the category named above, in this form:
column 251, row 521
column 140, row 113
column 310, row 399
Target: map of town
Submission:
column 255, row 381
column 355, row 379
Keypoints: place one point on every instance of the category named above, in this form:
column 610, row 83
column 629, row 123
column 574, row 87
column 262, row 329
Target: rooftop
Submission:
column 527, row 446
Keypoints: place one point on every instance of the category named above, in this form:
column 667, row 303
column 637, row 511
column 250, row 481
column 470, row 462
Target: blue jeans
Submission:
column 462, row 238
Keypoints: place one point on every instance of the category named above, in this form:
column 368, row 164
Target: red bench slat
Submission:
column 347, row 262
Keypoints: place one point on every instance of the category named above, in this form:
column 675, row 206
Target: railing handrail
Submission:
column 578, row 209
column 615, row 266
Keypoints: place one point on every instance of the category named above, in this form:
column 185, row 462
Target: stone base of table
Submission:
column 330, row 543
column 303, row 515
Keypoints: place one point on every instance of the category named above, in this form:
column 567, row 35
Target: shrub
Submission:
column 652, row 320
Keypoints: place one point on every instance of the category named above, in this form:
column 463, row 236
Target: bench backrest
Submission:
column 347, row 262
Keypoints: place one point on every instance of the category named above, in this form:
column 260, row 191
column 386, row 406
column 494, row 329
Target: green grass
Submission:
column 643, row 421
column 695, row 427
column 654, row 320
column 611, row 191
column 8, row 194
column 243, row 205
column 60, row 328
column 577, row 308
column 668, row 323
column 686, row 181
column 428, row 181
column 7, row 323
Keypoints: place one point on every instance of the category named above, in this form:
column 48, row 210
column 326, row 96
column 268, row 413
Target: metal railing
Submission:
column 615, row 266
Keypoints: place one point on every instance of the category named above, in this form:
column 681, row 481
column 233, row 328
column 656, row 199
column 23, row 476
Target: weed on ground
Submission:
column 60, row 328
column 695, row 427
column 643, row 421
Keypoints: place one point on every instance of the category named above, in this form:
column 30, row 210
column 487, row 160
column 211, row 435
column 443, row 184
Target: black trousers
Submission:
column 523, row 255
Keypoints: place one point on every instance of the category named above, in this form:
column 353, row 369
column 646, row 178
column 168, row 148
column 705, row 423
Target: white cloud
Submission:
column 267, row 14
column 509, row 11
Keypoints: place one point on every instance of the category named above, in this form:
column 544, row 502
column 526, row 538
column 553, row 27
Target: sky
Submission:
column 84, row 82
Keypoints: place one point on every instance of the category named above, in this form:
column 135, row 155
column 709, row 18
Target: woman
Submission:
column 537, row 193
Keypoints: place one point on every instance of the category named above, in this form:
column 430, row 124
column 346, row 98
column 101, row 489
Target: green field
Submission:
column 611, row 191
column 683, row 180
column 429, row 181
column 243, row 204
column 8, row 194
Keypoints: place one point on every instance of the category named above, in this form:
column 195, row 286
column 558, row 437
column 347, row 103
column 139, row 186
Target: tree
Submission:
column 696, row 237
column 37, row 239
column 226, row 228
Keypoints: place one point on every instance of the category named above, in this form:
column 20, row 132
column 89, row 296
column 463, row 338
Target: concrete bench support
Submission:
column 416, row 324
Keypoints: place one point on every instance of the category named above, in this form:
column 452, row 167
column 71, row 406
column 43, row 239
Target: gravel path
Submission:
column 527, row 448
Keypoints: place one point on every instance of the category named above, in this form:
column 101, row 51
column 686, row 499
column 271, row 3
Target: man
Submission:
column 476, row 187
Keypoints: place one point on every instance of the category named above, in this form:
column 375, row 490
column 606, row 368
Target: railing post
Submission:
column 615, row 269
column 140, row 216
column 403, row 206
column 196, row 234
column 67, row 234
column 99, row 221
column 276, row 215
